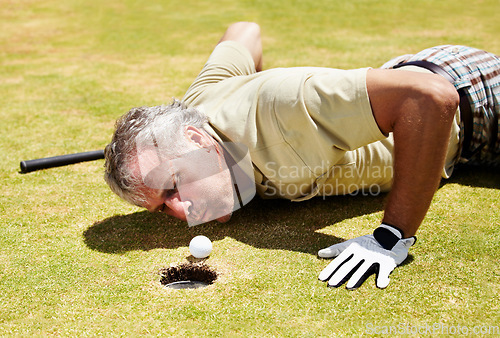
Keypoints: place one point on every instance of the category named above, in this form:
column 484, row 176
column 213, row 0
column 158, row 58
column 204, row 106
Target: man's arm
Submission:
column 248, row 34
column 418, row 109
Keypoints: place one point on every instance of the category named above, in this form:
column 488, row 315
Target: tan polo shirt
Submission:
column 310, row 131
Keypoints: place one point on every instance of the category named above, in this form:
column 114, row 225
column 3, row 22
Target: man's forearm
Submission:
column 419, row 153
column 419, row 111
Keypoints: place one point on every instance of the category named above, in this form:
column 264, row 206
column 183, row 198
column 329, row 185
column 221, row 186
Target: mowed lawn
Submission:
column 77, row 261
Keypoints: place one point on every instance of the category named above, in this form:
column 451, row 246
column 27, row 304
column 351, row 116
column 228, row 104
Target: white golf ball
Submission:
column 200, row 247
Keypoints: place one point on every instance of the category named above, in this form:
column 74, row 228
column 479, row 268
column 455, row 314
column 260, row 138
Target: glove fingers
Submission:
column 333, row 250
column 362, row 273
column 335, row 264
column 361, row 257
column 344, row 273
column 383, row 275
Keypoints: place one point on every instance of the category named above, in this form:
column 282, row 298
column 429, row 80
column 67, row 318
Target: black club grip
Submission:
column 62, row 160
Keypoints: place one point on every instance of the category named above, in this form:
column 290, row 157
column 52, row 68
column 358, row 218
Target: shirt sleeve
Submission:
column 338, row 103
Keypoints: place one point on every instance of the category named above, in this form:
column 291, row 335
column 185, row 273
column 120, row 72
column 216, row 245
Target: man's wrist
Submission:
column 387, row 235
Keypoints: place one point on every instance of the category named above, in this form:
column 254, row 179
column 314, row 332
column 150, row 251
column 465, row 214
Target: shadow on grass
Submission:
column 475, row 177
column 269, row 224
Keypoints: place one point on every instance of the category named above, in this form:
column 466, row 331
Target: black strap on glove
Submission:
column 387, row 235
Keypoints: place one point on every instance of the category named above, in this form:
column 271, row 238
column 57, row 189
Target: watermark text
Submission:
column 431, row 329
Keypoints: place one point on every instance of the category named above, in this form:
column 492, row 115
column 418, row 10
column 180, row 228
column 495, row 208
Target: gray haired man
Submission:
column 312, row 131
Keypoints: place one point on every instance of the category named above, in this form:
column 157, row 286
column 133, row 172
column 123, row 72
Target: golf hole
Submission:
column 187, row 276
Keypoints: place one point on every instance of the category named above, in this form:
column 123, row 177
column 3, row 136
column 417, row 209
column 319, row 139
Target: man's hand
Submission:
column 360, row 257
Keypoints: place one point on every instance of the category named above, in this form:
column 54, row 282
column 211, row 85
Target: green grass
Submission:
column 77, row 261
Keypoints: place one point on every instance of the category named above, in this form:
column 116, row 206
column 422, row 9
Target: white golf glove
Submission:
column 360, row 257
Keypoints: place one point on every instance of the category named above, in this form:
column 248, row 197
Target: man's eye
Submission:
column 172, row 191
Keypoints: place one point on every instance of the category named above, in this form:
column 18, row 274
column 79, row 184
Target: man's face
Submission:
column 196, row 187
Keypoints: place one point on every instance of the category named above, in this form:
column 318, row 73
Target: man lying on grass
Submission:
column 313, row 132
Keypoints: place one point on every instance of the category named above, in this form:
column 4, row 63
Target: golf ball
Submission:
column 200, row 247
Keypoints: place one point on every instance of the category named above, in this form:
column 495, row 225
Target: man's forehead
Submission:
column 156, row 172
column 147, row 159
column 151, row 158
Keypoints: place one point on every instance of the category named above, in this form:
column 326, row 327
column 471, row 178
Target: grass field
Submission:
column 77, row 261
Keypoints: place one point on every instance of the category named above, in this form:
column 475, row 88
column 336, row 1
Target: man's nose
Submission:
column 176, row 207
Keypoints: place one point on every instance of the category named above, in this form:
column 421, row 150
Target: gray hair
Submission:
column 144, row 125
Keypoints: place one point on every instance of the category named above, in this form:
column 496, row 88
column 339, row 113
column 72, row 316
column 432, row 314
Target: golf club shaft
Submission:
column 58, row 161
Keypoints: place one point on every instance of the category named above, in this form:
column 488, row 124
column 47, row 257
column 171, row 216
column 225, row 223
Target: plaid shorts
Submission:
column 477, row 74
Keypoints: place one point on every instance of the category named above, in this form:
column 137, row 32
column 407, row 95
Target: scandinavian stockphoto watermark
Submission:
column 335, row 179
column 431, row 329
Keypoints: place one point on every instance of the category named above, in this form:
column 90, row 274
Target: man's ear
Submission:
column 198, row 137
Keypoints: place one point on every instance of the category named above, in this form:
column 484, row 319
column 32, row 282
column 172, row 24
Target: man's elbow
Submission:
column 444, row 96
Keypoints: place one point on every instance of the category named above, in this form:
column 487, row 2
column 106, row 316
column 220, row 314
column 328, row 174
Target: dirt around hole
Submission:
column 198, row 274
